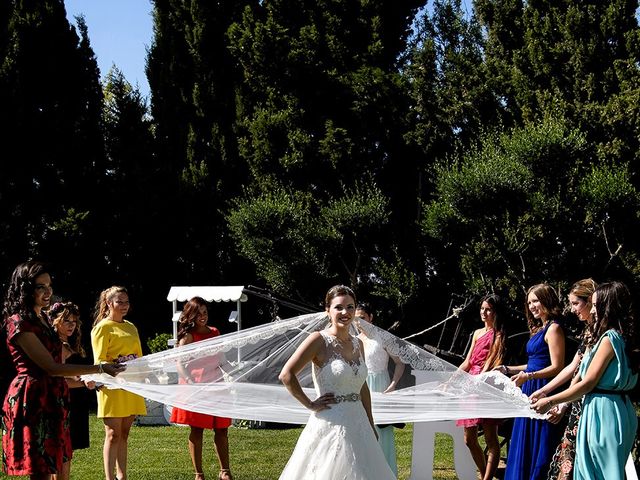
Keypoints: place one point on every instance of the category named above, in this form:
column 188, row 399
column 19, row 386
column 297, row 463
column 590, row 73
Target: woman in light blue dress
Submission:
column 608, row 373
column 377, row 360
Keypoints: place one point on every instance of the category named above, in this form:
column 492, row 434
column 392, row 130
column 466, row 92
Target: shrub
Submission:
column 159, row 342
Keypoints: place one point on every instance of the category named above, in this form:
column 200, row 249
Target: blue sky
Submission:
column 120, row 32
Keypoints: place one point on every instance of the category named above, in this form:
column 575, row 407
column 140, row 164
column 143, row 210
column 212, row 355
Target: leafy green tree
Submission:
column 527, row 206
column 322, row 113
column 450, row 86
column 130, row 176
column 193, row 79
column 453, row 102
column 571, row 58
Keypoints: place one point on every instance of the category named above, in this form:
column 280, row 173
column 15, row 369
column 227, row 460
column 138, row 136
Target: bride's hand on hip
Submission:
column 322, row 402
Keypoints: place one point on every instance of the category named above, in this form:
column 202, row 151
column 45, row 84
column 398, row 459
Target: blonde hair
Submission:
column 101, row 310
column 584, row 289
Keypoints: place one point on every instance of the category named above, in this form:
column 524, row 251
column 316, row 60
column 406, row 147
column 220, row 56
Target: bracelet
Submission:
column 530, row 375
column 100, row 369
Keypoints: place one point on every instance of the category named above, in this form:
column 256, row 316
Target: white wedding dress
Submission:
column 338, row 443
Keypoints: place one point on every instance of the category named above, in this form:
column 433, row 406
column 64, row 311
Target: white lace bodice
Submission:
column 338, row 375
column 375, row 356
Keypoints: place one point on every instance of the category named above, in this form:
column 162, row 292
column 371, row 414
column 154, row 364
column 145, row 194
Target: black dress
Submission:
column 79, row 409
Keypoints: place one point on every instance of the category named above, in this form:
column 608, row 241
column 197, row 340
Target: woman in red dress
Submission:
column 35, row 424
column 193, row 328
column 487, row 350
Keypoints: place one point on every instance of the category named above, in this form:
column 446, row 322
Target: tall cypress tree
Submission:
column 193, row 82
column 50, row 131
column 452, row 96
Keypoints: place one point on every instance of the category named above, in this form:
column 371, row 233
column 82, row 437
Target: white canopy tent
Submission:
column 210, row 294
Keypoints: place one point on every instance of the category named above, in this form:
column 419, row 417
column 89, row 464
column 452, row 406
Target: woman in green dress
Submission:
column 608, row 374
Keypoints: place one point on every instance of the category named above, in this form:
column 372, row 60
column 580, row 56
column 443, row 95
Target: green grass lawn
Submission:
column 161, row 453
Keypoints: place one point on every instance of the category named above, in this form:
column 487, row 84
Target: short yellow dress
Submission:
column 112, row 342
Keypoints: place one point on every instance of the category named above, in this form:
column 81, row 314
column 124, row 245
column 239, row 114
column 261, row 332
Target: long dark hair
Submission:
column 614, row 309
column 499, row 343
column 20, row 298
column 189, row 315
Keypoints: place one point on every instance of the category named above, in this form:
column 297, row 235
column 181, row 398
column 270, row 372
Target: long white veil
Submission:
column 239, row 379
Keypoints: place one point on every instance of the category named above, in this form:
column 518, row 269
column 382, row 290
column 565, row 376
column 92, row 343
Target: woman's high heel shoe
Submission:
column 225, row 474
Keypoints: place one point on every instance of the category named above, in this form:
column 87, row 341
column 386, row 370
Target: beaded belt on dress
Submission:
column 349, row 397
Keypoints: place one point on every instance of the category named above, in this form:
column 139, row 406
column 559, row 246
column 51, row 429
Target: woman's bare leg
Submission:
column 64, row 472
column 221, row 440
column 471, row 441
column 114, row 452
column 493, row 451
column 195, row 448
column 123, row 447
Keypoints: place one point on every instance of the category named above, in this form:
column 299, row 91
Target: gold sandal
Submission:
column 199, row 476
column 225, row 474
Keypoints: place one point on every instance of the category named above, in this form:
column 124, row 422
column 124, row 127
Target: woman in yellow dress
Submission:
column 115, row 339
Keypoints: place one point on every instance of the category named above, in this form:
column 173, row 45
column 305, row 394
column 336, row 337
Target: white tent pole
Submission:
column 175, row 324
column 239, row 321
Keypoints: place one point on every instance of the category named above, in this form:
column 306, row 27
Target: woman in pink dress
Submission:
column 193, row 328
column 487, row 350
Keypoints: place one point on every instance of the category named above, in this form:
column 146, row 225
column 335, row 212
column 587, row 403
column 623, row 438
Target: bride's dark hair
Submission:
column 338, row 291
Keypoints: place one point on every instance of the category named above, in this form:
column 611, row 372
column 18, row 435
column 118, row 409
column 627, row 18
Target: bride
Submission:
column 339, row 440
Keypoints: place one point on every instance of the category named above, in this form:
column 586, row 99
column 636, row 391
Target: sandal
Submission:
column 225, row 474
column 199, row 476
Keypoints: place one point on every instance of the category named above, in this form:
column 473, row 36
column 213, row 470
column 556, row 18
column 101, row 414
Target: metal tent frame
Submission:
column 210, row 294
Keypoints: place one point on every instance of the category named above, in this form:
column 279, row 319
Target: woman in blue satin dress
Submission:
column 608, row 374
column 533, row 441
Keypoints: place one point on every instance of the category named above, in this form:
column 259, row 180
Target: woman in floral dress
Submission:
column 35, row 428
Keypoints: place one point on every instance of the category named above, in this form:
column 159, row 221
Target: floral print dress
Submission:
column 562, row 463
column 35, row 428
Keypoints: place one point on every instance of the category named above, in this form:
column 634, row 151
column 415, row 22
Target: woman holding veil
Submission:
column 339, row 440
column 377, row 360
column 193, row 328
